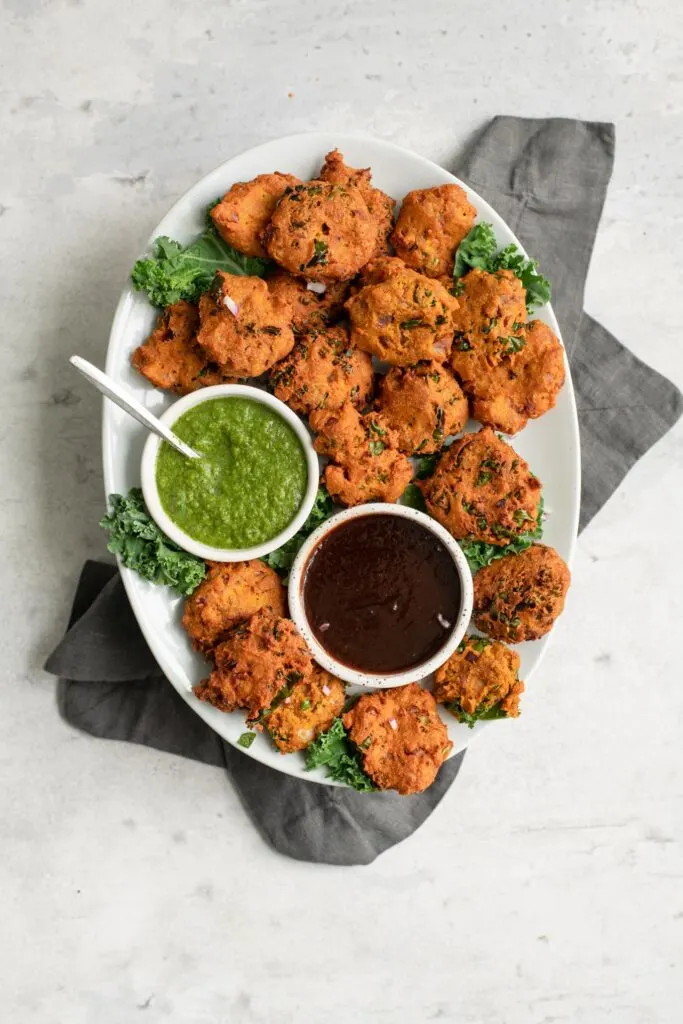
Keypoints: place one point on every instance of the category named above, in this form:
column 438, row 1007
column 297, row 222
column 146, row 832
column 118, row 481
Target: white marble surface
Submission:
column 547, row 887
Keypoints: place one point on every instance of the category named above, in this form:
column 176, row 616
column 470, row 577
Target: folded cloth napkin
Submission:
column 548, row 179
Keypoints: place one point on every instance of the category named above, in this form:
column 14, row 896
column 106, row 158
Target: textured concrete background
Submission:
column 547, row 887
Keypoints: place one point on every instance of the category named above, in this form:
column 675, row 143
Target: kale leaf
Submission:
column 478, row 553
column 175, row 272
column 141, row 546
column 427, row 464
column 282, row 559
column 412, row 497
column 479, row 248
column 537, row 287
column 334, row 751
column 484, row 713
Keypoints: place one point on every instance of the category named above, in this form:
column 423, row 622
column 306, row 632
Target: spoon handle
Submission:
column 115, row 393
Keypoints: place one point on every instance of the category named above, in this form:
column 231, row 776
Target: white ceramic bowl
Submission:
column 345, row 672
column 151, row 494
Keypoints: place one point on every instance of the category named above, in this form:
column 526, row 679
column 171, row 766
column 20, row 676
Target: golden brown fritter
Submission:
column 366, row 464
column 171, row 359
column 424, row 404
column 337, row 172
column 308, row 308
column 483, row 490
column 480, row 676
column 253, row 339
column 308, row 710
column 323, row 372
column 340, row 433
column 523, row 385
column 253, row 663
column 401, row 316
column 430, row 226
column 244, row 211
column 321, row 231
column 519, row 597
column 400, row 736
column 380, row 205
column 230, row 593
column 491, row 316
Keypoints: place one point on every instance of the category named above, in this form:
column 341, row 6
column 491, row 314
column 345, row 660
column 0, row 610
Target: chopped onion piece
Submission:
column 317, row 286
column 323, row 626
column 326, row 690
column 231, row 304
column 443, row 622
column 393, row 723
column 288, row 700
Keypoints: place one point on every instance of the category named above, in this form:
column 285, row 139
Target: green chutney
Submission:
column 249, row 483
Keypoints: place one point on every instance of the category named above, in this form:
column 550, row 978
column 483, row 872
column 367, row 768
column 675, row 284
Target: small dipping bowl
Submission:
column 178, row 535
column 357, row 675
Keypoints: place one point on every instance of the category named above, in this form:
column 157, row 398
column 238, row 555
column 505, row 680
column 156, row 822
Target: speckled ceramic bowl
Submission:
column 172, row 530
column 371, row 679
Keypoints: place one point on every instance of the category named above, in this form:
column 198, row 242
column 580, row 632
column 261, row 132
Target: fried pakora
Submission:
column 524, row 384
column 242, row 326
column 430, row 226
column 230, row 593
column 519, row 597
column 479, row 680
column 380, row 205
column 366, row 464
column 245, row 209
column 309, row 307
column 424, row 404
column 401, row 316
column 324, row 371
column 323, row 232
column 309, row 709
column 487, row 325
column 483, row 490
column 253, row 663
column 400, row 736
column 171, row 359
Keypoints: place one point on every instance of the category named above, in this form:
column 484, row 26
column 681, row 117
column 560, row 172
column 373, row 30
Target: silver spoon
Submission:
column 117, row 394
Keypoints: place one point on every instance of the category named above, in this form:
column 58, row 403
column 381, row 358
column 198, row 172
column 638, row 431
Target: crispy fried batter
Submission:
column 380, row 205
column 424, row 404
column 480, row 675
column 400, row 736
column 489, row 322
column 519, row 597
column 366, row 463
column 309, row 309
column 231, row 593
column 483, row 490
column 253, row 663
column 324, row 372
column 523, row 385
column 401, row 316
column 308, row 710
column 252, row 341
column 323, row 232
column 171, row 359
column 246, row 208
column 430, row 226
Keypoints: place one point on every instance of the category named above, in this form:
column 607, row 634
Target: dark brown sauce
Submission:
column 381, row 593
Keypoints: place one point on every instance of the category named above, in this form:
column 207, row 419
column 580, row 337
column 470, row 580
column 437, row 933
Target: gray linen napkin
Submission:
column 548, row 179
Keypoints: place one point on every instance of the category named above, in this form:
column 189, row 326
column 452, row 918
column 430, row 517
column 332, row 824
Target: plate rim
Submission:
column 327, row 140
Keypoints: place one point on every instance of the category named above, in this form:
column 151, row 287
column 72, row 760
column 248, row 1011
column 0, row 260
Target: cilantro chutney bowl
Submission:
column 253, row 488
